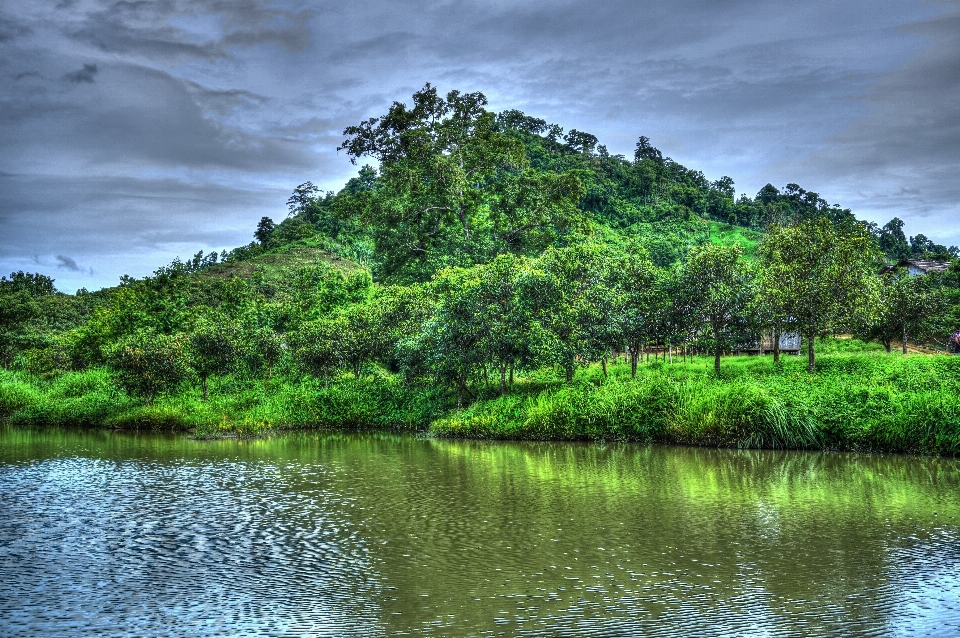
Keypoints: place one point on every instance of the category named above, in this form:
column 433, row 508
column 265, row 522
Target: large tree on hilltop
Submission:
column 436, row 159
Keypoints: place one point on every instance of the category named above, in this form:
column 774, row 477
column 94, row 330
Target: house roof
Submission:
column 919, row 264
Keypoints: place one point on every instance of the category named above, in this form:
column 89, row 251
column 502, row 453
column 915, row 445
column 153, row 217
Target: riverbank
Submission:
column 869, row 401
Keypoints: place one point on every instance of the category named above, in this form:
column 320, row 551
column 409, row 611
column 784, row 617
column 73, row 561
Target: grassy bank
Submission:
column 858, row 400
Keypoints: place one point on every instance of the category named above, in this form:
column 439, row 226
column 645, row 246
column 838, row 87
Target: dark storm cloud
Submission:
column 144, row 28
column 85, row 74
column 10, row 29
column 69, row 263
column 201, row 115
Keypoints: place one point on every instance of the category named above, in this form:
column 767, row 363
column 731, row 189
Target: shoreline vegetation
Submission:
column 485, row 279
column 860, row 399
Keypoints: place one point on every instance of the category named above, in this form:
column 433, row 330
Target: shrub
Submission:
column 148, row 363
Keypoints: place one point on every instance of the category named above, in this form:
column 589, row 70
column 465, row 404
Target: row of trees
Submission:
column 566, row 308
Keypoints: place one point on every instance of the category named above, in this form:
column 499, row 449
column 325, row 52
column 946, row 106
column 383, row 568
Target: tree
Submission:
column 635, row 279
column 719, row 285
column 212, row 349
column 769, row 309
column 23, row 298
column 576, row 301
column 34, row 284
column 18, row 312
column 646, row 150
column 366, row 337
column 531, row 209
column 302, row 199
column 906, row 307
column 823, row 276
column 264, row 230
column 148, row 363
column 452, row 339
column 263, row 351
column 317, row 346
column 893, row 241
column 581, row 142
column 436, row 163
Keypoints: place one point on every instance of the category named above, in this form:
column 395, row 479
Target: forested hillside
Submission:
column 470, row 249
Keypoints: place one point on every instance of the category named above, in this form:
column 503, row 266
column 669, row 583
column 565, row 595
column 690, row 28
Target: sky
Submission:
column 135, row 131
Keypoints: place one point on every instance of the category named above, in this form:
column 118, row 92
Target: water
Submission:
column 115, row 534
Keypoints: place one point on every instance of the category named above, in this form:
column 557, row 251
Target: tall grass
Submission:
column 856, row 401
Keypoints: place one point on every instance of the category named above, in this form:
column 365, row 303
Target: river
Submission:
column 119, row 534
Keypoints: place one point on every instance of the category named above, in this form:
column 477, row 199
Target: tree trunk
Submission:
column 569, row 373
column 811, row 356
column 511, row 374
column 634, row 355
column 887, row 344
column 503, row 381
column 716, row 360
column 203, row 385
column 904, row 340
column 776, row 347
column 603, row 364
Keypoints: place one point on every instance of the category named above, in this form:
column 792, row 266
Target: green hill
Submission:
column 498, row 276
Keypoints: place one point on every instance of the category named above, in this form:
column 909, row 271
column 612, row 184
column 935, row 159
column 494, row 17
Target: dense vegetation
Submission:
column 495, row 276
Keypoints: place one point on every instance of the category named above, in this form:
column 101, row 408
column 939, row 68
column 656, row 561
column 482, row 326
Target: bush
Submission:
column 148, row 363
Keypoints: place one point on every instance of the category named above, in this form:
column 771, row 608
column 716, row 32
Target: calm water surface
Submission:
column 333, row 535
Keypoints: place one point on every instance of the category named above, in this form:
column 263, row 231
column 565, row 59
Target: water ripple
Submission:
column 374, row 535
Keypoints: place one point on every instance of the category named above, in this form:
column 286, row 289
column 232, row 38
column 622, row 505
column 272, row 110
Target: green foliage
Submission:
column 637, row 302
column 854, row 402
column 725, row 234
column 738, row 414
column 15, row 393
column 262, row 351
column 719, row 286
column 317, row 347
column 149, row 363
column 577, row 303
column 435, row 161
column 908, row 307
column 820, row 278
column 212, row 349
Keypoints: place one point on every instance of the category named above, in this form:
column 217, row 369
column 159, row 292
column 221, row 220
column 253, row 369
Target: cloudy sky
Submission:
column 134, row 131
